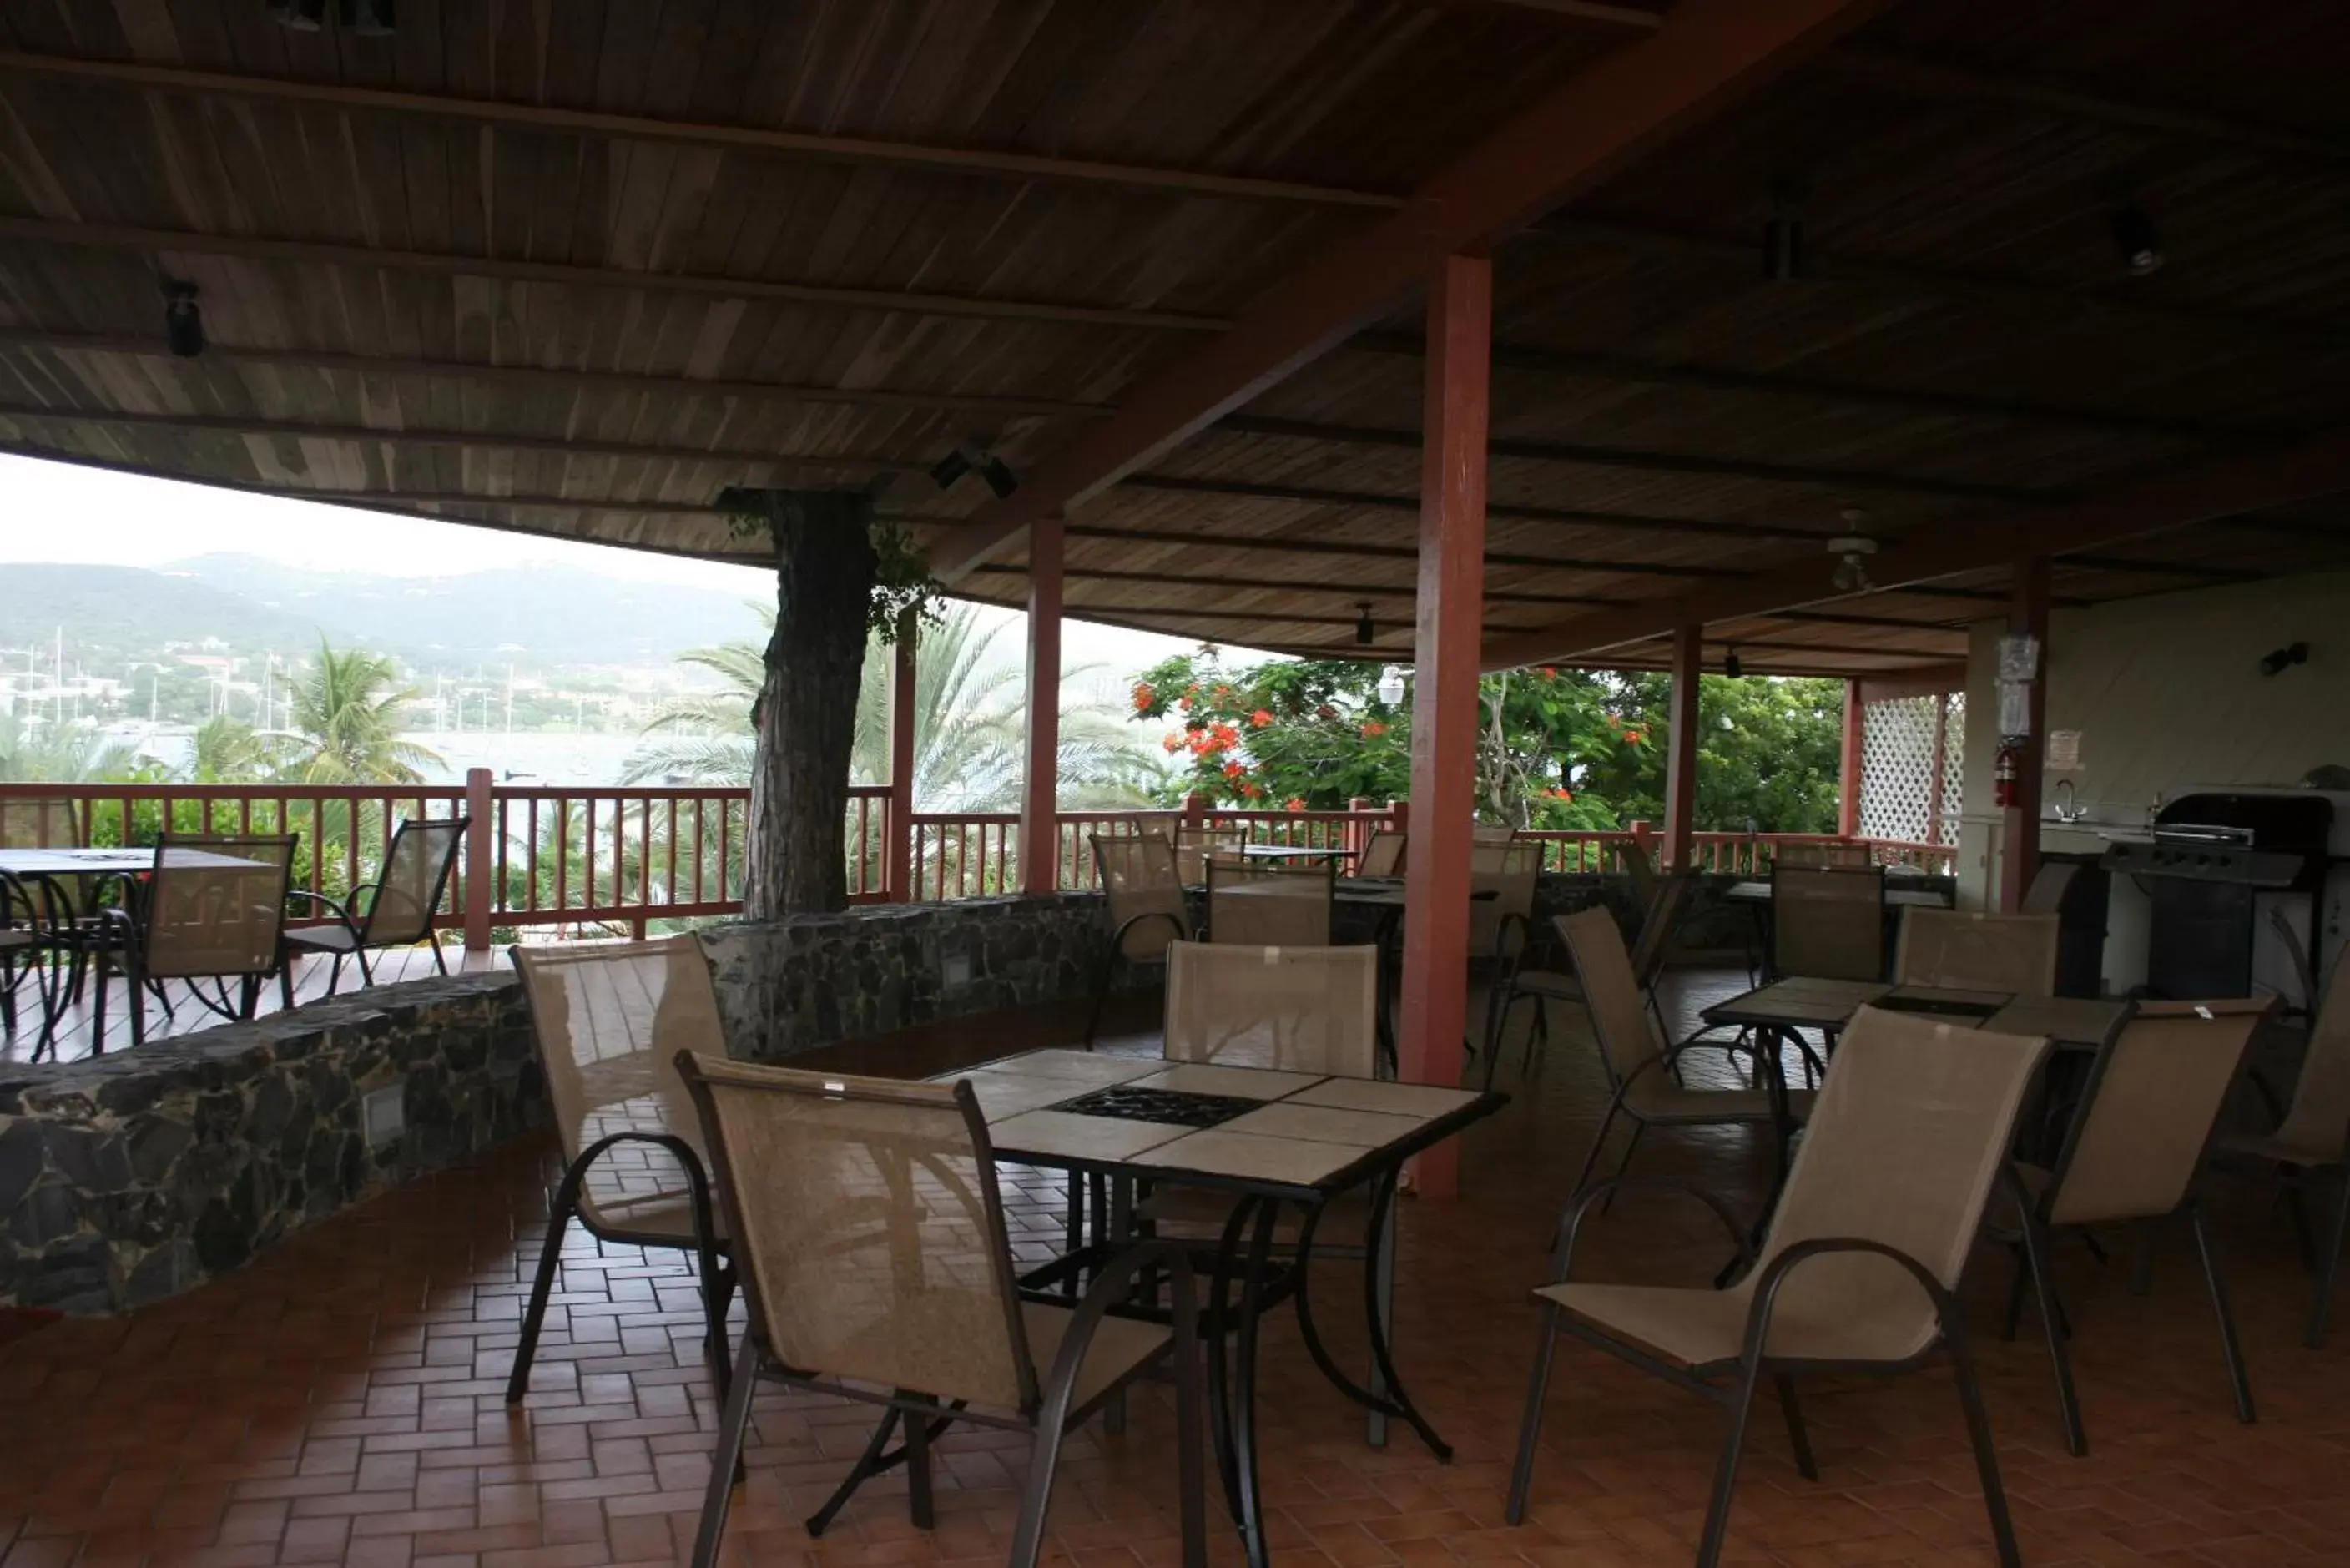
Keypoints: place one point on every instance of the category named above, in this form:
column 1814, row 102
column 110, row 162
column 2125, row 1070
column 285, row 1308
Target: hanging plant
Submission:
column 904, row 592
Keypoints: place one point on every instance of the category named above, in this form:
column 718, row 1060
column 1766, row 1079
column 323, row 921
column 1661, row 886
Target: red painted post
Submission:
column 1848, row 769
column 1195, row 809
column 1399, row 817
column 1359, row 825
column 898, row 867
column 1040, row 823
column 2019, row 840
column 1680, row 750
column 481, row 841
column 1446, row 646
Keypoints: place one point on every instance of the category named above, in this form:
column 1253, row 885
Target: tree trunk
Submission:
column 806, row 718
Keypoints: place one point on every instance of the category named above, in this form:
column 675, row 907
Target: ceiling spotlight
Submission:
column 999, row 476
column 368, row 18
column 949, row 468
column 2284, row 658
column 2135, row 239
column 1365, row 632
column 1731, row 664
column 183, row 319
column 1782, row 232
column 300, row 15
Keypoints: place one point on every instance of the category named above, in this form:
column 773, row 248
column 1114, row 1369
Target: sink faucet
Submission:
column 2066, row 808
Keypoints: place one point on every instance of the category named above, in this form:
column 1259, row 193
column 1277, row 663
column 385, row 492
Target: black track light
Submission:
column 1000, row 478
column 2135, row 239
column 949, row 468
column 1782, row 232
column 1731, row 664
column 971, row 456
column 1365, row 632
column 2284, row 658
column 368, row 18
column 183, row 319
column 299, row 16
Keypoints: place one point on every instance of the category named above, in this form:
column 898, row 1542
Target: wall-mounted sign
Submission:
column 2019, row 657
column 2065, row 751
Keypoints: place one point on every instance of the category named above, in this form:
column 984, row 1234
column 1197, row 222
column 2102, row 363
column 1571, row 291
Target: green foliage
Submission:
column 348, row 710
column 230, row 751
column 1768, row 752
column 904, row 593
column 34, row 751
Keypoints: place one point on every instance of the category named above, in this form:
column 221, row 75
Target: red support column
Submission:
column 899, row 863
column 481, row 848
column 1040, row 824
column 1680, row 757
column 1848, row 774
column 1445, row 652
column 2019, row 840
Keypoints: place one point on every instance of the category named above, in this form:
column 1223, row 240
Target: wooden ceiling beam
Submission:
column 439, row 264
column 2175, row 499
column 558, row 446
column 1352, row 592
column 530, row 377
column 1377, row 551
column 1193, row 484
column 1708, row 54
column 1624, row 369
column 968, row 161
column 1644, row 461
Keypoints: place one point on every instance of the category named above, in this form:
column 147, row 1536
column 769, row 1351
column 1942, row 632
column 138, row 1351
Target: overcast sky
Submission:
column 60, row 512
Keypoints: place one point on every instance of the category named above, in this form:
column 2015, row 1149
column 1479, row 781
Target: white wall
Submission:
column 2166, row 692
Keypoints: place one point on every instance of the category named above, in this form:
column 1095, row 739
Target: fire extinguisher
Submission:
column 2002, row 778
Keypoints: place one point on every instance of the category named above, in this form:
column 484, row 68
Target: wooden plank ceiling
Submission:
column 576, row 281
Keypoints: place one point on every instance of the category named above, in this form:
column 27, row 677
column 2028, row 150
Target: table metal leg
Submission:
column 1381, row 1264
column 1243, row 1411
column 1385, row 1398
column 1217, row 1325
column 1121, row 1231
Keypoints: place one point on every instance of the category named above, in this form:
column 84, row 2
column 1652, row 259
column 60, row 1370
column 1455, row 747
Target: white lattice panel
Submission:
column 1954, row 763
column 1897, row 768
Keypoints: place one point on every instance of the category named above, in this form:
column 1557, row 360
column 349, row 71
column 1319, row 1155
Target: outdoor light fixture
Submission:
column 1390, row 687
column 971, row 456
column 1365, row 632
column 1852, row 549
column 2284, row 658
column 1782, row 232
column 183, row 319
column 2135, row 240
column 300, row 15
column 1731, row 664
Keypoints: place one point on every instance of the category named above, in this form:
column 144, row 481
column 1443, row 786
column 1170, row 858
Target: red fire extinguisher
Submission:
column 2002, row 778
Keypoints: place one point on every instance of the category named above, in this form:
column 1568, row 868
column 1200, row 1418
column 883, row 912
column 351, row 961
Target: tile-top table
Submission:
column 1266, row 1138
column 2072, row 1023
column 70, row 862
column 1896, row 897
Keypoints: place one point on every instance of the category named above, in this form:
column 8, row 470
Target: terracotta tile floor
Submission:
column 341, row 1401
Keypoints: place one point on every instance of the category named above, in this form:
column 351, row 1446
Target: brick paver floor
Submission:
column 340, row 1400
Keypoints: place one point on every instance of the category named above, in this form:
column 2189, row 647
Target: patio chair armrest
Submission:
column 1117, row 938
column 340, row 910
column 2271, row 1100
column 1503, row 953
column 1570, row 1223
column 1775, row 1275
column 1112, row 1285
column 697, row 1177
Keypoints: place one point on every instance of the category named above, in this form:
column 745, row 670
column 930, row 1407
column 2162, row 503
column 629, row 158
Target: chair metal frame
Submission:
column 1659, row 918
column 1372, row 862
column 128, row 935
column 1119, row 929
column 1780, row 906
column 2037, row 1228
column 714, row 1268
column 1048, row 1410
column 359, row 930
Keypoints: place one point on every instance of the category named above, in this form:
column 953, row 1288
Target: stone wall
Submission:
column 129, row 1176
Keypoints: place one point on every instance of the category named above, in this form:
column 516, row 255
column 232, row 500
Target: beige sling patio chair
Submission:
column 2312, row 1141
column 1972, row 951
column 1510, row 869
column 2132, row 1155
column 1814, row 855
column 211, row 908
column 1640, row 1064
column 1194, row 843
column 1297, row 1009
column 609, row 1018
column 1142, row 893
column 870, row 1231
column 1859, row 1268
column 1382, row 854
column 1516, row 982
column 395, row 910
column 1827, row 922
column 1270, row 903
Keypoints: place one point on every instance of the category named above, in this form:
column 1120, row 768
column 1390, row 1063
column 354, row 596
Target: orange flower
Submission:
column 1261, row 718
column 1227, row 734
column 1253, row 791
column 1635, row 737
column 1374, row 730
column 1565, row 795
column 1144, row 696
column 1547, row 672
column 1233, row 769
column 1173, row 743
column 1297, row 802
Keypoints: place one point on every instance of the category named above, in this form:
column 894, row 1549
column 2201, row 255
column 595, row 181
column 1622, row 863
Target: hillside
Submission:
column 543, row 615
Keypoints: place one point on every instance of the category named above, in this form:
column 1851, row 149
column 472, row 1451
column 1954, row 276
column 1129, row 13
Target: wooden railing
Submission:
column 619, row 858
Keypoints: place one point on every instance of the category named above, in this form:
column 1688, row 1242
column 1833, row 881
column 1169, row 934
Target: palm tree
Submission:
column 969, row 721
column 60, row 753
column 229, row 751
column 348, row 712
